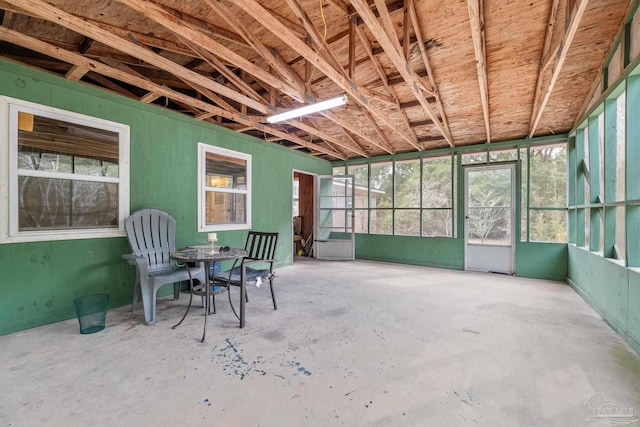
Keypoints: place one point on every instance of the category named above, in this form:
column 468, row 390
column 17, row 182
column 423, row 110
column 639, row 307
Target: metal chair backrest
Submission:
column 152, row 234
column 261, row 245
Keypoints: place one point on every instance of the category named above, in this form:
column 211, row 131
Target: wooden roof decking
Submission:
column 419, row 74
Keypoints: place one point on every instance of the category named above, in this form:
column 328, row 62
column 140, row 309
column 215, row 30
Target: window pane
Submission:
column 59, row 146
column 381, row 221
column 407, row 222
column 437, row 222
column 436, row 182
column 339, row 170
column 503, row 155
column 360, row 173
column 474, row 158
column 361, row 221
column 524, row 171
column 381, row 183
column 600, row 189
column 548, row 226
column 407, row 184
column 620, row 147
column 587, row 227
column 490, row 188
column 620, row 231
column 226, row 172
column 489, row 225
column 587, row 199
column 296, row 196
column 548, row 176
column 225, row 208
column 48, row 203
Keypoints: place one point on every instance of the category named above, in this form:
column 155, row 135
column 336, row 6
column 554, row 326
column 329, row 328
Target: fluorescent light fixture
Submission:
column 308, row 109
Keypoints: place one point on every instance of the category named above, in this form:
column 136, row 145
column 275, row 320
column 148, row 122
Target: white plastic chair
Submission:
column 151, row 234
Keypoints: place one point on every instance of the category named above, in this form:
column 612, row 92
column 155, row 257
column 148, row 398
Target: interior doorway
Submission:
column 302, row 218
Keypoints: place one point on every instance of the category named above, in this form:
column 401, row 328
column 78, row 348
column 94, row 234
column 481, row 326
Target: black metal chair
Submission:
column 256, row 266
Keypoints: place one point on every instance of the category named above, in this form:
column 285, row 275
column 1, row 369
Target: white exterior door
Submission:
column 334, row 235
column 489, row 214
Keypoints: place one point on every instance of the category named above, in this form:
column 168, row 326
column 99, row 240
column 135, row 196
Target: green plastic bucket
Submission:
column 92, row 312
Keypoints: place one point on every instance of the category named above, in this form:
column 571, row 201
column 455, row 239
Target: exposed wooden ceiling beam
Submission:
column 76, row 73
column 163, row 17
column 217, row 65
column 270, row 55
column 36, row 45
column 415, row 22
column 149, row 97
column 322, row 47
column 134, row 36
column 105, row 82
column 358, row 94
column 364, row 40
column 553, row 14
column 392, row 48
column 79, row 25
column 476, row 19
column 275, row 61
column 563, row 49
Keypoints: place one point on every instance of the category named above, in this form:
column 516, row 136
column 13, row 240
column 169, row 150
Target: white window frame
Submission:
column 9, row 233
column 203, row 149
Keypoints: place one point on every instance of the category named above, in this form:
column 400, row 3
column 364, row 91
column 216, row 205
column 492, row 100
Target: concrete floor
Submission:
column 353, row 343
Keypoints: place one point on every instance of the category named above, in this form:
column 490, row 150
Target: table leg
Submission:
column 243, row 294
column 207, row 299
column 190, row 299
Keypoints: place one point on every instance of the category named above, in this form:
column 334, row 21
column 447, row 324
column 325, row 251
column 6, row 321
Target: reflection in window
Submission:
column 225, row 189
column 68, row 171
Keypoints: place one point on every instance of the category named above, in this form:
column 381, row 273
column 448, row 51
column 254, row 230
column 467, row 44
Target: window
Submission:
column 361, row 209
column 437, row 200
column 548, row 193
column 407, row 197
column 66, row 174
column 381, row 184
column 224, row 183
column 620, row 237
column 296, row 197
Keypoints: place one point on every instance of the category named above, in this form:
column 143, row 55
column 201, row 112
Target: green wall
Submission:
column 38, row 281
column 428, row 251
column 611, row 289
column 536, row 260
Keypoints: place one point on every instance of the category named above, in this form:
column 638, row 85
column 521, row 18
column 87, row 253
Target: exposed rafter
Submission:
column 357, row 93
column 563, row 49
column 476, row 19
column 392, row 48
column 20, row 39
column 180, row 27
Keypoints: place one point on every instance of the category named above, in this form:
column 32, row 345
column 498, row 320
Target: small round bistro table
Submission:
column 209, row 257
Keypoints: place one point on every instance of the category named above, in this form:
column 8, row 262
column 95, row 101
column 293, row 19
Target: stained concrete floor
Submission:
column 352, row 343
